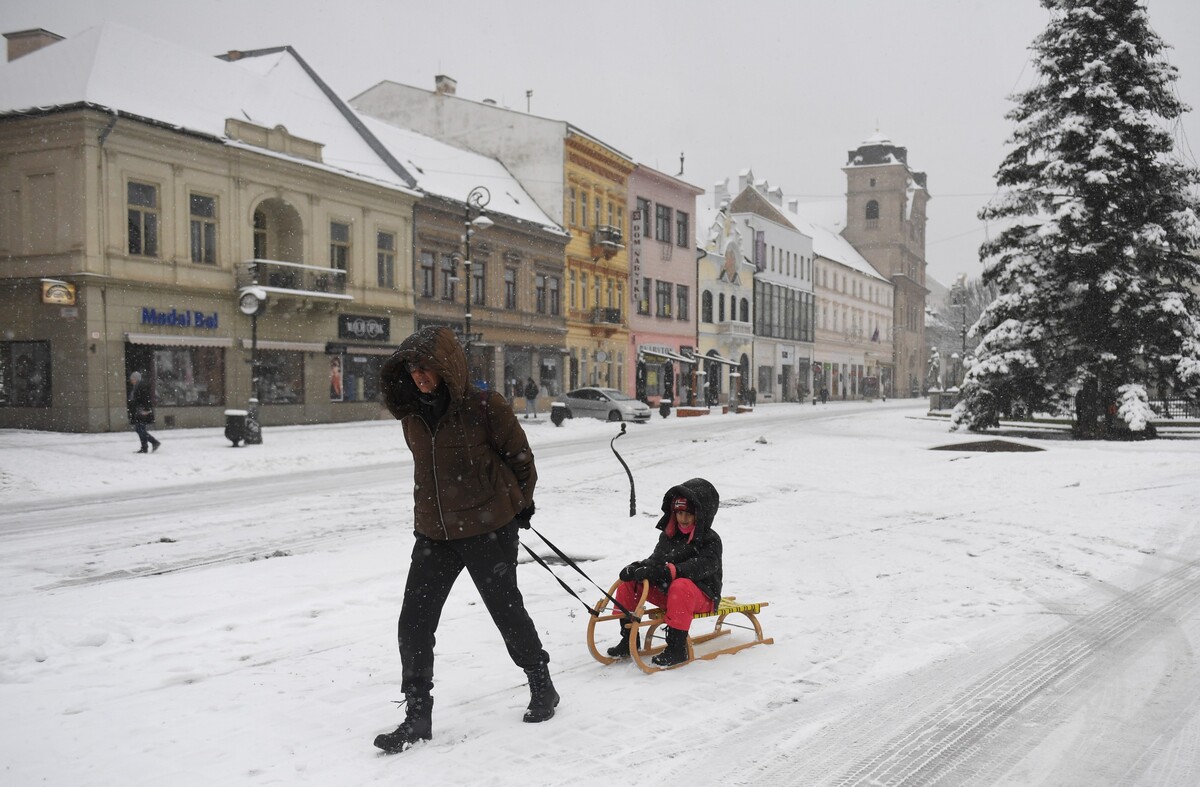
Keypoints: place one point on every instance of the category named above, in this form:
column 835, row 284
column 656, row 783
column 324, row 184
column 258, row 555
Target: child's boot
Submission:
column 621, row 649
column 676, row 651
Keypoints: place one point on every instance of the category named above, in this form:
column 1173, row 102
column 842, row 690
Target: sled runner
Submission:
column 647, row 622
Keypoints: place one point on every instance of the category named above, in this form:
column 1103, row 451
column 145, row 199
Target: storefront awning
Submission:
column 333, row 348
column 670, row 355
column 719, row 359
column 273, row 344
column 176, row 340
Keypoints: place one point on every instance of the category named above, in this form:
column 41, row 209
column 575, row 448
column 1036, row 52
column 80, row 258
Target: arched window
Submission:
column 706, row 307
column 745, row 315
column 872, row 210
column 721, row 307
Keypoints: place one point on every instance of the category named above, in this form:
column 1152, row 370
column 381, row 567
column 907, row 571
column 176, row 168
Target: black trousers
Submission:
column 491, row 561
column 143, row 433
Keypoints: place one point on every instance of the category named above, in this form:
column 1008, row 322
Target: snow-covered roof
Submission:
column 117, row 68
column 829, row 244
column 446, row 171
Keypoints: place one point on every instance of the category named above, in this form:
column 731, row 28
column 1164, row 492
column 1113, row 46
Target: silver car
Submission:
column 605, row 403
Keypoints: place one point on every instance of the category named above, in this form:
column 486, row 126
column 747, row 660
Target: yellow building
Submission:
column 579, row 181
column 597, row 264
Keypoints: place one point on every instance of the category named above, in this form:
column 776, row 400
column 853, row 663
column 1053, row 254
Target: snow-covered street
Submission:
column 208, row 615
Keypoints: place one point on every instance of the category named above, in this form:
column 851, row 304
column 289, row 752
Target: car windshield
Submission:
column 613, row 393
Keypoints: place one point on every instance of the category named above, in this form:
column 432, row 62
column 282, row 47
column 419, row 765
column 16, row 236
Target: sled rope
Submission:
column 566, row 559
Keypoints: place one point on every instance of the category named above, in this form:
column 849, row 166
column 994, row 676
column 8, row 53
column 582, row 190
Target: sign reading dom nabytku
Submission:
column 353, row 326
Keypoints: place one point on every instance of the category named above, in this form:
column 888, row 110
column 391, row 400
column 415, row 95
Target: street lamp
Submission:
column 475, row 218
column 252, row 301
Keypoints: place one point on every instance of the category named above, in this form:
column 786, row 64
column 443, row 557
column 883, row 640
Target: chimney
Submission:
column 444, row 85
column 23, row 42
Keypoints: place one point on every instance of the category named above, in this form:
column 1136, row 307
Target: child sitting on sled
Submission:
column 684, row 570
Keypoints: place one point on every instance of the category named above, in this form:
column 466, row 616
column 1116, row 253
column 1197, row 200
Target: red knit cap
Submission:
column 681, row 504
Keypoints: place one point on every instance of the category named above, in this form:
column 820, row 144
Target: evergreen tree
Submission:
column 1097, row 270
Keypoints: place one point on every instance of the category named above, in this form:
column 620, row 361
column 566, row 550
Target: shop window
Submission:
column 281, row 377
column 189, row 376
column 354, row 378
column 203, row 228
column 143, row 219
column 24, row 374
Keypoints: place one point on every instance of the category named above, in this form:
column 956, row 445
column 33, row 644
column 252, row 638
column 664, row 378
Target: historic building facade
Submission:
column 885, row 222
column 784, row 304
column 144, row 219
column 579, row 181
column 662, row 263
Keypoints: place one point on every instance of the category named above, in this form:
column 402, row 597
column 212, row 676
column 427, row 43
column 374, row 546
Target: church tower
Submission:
column 885, row 222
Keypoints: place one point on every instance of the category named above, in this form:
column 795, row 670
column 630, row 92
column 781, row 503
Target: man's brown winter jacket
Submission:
column 473, row 470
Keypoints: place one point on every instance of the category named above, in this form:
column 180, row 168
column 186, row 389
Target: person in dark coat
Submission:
column 473, row 484
column 531, row 395
column 684, row 570
column 140, row 408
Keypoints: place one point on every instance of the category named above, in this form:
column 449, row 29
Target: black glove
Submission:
column 630, row 572
column 526, row 515
column 658, row 575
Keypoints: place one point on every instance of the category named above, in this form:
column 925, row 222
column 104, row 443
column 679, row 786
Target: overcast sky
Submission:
column 782, row 87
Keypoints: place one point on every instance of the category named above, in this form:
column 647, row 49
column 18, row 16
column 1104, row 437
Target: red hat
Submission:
column 682, row 504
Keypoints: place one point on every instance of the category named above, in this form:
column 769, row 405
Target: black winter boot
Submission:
column 676, row 651
column 621, row 649
column 417, row 726
column 543, row 699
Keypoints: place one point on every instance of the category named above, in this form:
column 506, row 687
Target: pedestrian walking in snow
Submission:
column 473, row 483
column 684, row 570
column 531, row 395
column 140, row 407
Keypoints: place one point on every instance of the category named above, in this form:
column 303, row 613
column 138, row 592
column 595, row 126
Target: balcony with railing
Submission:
column 605, row 316
column 735, row 329
column 293, row 279
column 606, row 241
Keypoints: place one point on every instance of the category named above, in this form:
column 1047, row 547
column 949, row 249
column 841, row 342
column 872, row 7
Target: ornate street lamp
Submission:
column 252, row 301
column 475, row 218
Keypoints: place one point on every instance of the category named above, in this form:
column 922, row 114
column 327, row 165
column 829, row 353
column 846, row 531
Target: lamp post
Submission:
column 252, row 301
column 475, row 218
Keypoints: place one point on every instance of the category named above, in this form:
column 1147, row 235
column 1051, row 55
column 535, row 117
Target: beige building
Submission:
column 134, row 218
column 885, row 222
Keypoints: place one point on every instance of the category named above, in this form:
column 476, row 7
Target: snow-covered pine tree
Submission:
column 1097, row 271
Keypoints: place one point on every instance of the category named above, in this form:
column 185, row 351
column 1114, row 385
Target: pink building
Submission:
column 662, row 273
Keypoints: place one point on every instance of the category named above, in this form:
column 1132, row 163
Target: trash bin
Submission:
column 235, row 426
column 558, row 413
column 664, row 407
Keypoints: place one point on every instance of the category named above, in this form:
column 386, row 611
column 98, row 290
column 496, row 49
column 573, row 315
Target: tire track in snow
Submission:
column 967, row 735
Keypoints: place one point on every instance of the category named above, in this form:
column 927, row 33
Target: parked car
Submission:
column 605, row 403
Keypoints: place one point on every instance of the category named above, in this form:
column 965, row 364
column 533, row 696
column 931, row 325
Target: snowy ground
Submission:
column 208, row 615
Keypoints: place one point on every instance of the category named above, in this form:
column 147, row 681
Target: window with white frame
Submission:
column 142, row 199
column 203, row 227
column 385, row 260
column 339, row 245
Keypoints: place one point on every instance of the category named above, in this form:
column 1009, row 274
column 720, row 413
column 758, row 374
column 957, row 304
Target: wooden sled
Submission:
column 648, row 621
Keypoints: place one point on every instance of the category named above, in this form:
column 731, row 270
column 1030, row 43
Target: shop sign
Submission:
column 352, row 326
column 58, row 293
column 180, row 318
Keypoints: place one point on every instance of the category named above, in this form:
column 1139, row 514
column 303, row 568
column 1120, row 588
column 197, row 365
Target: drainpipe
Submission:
column 102, row 178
